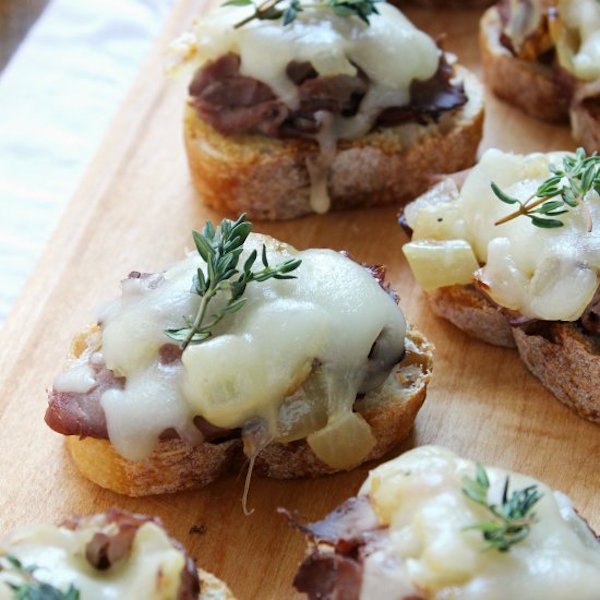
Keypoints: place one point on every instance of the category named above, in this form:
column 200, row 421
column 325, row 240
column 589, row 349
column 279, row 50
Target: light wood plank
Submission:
column 134, row 210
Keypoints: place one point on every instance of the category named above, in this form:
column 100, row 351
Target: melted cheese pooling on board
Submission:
column 419, row 496
column 312, row 334
column 151, row 571
column 549, row 274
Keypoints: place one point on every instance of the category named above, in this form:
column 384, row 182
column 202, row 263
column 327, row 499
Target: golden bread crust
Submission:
column 531, row 86
column 175, row 465
column 562, row 356
column 268, row 178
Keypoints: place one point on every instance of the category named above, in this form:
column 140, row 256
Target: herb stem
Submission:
column 199, row 317
column 523, row 209
column 261, row 9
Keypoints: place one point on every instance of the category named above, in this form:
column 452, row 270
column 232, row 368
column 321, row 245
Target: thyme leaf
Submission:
column 221, row 249
column 32, row 588
column 564, row 190
column 511, row 521
column 271, row 10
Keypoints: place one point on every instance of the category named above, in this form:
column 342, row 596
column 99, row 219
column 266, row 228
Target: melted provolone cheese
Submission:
column 549, row 274
column 431, row 553
column 579, row 47
column 312, row 333
column 151, row 571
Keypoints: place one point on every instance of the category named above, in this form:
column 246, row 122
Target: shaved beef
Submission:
column 105, row 550
column 233, row 103
column 74, row 413
column 590, row 320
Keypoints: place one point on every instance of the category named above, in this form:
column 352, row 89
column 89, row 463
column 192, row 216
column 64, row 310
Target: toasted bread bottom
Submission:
column 175, row 465
column 531, row 86
column 564, row 358
column 268, row 178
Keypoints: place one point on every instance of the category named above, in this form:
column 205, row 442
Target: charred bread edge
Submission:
column 175, row 465
column 267, row 178
column 564, row 358
column 529, row 85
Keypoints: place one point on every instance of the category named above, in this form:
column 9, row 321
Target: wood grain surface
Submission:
column 134, row 210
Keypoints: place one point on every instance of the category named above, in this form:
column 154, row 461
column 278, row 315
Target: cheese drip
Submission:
column 390, row 51
column 294, row 357
column 419, row 497
column 152, row 570
column 550, row 274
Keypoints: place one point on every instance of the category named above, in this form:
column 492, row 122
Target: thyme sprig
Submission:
column 221, row 249
column 32, row 588
column 271, row 10
column 566, row 189
column 512, row 520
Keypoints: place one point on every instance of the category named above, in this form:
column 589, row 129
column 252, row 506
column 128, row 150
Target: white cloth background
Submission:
column 57, row 97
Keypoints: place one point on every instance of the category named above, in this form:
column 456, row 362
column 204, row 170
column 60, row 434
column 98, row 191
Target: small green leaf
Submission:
column 502, row 196
column 237, row 3
column 545, row 223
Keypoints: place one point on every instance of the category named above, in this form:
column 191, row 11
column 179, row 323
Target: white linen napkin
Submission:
column 57, row 97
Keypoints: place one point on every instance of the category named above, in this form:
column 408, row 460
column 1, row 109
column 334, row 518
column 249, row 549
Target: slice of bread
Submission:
column 175, row 465
column 268, row 178
column 561, row 355
column 531, row 86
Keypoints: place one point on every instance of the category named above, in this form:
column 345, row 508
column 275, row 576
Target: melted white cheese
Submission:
column 329, row 315
column 419, row 496
column 549, row 274
column 152, row 570
column 390, row 51
column 579, row 52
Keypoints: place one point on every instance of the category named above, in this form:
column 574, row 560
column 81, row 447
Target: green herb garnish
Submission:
column 512, row 520
column 221, row 249
column 270, row 9
column 566, row 189
column 31, row 588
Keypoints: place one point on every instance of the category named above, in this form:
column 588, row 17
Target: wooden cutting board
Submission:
column 134, row 210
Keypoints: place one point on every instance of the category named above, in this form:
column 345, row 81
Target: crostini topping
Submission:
column 544, row 273
column 288, row 366
column 220, row 250
column 570, row 27
column 511, row 519
column 88, row 558
column 409, row 535
column 269, row 10
column 566, row 188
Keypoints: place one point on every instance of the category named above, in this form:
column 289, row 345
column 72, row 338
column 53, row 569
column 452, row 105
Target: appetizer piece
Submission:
column 512, row 258
column 300, row 107
column 429, row 525
column 300, row 358
column 544, row 57
column 110, row 555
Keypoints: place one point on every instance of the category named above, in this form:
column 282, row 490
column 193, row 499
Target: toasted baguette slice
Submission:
column 175, row 465
column 561, row 355
column 268, row 178
column 531, row 86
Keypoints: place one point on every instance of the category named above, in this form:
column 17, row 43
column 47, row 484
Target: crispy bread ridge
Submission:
column 528, row 85
column 175, row 465
column 564, row 358
column 267, row 178
column 212, row 588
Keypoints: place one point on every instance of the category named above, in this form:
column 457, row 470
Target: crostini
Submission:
column 298, row 108
column 544, row 57
column 512, row 257
column 429, row 525
column 304, row 362
column 109, row 555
